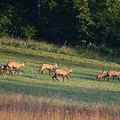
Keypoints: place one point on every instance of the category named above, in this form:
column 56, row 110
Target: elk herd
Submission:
column 108, row 74
column 13, row 68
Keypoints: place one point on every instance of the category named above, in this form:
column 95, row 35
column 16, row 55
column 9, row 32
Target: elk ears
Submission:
column 105, row 71
column 56, row 64
column 70, row 68
column 23, row 64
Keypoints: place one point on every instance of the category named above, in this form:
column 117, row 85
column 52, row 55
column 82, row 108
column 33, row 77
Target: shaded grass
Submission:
column 56, row 91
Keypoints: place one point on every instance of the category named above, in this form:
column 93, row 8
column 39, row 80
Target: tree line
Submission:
column 71, row 22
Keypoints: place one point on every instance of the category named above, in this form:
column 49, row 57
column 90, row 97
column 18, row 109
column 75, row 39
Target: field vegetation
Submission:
column 32, row 96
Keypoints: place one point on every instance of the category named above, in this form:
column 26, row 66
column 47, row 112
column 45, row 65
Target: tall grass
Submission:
column 65, row 50
column 50, row 113
column 35, row 45
column 17, row 107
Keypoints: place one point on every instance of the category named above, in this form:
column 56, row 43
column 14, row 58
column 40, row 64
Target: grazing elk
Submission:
column 13, row 66
column 62, row 72
column 113, row 74
column 48, row 67
column 101, row 75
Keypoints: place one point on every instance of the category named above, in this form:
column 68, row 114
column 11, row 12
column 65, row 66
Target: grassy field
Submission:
column 82, row 91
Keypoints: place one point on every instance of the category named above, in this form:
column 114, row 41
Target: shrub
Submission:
column 28, row 32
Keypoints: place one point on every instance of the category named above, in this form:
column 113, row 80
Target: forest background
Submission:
column 88, row 23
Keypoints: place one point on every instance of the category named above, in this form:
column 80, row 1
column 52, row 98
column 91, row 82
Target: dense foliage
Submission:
column 71, row 22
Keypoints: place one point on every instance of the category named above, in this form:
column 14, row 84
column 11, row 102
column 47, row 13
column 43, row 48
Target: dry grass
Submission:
column 56, row 114
column 18, row 107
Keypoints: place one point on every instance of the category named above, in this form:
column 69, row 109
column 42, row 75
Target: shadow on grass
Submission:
column 62, row 92
column 85, row 76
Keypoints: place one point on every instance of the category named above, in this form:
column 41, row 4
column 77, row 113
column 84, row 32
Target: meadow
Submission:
column 32, row 96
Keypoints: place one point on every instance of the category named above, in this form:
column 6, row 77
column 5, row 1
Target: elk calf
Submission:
column 13, row 66
column 101, row 75
column 113, row 74
column 63, row 73
column 48, row 67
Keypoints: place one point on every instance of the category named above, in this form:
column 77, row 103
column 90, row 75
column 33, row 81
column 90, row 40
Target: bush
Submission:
column 4, row 23
column 28, row 32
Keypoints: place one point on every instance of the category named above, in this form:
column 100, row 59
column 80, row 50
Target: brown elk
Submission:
column 13, row 66
column 48, row 67
column 62, row 72
column 101, row 75
column 113, row 74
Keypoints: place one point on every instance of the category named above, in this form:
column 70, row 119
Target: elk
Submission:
column 13, row 66
column 48, row 67
column 62, row 72
column 101, row 75
column 113, row 74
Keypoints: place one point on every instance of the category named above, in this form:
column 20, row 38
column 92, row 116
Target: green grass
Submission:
column 82, row 88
